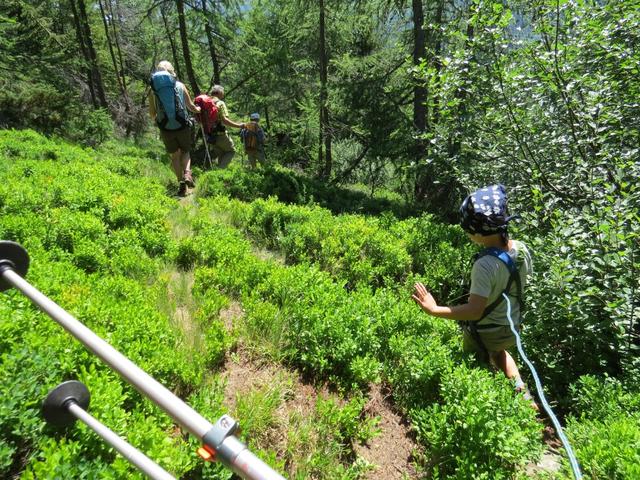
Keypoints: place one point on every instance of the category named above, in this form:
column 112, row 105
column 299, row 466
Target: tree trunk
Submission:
column 436, row 40
column 266, row 117
column 85, row 54
column 419, row 104
column 118, row 48
column 212, row 46
column 454, row 144
column 172, row 43
column 325, row 132
column 419, row 54
column 185, row 48
column 110, row 45
column 95, row 68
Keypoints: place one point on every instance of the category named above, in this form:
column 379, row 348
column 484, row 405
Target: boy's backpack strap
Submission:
column 514, row 276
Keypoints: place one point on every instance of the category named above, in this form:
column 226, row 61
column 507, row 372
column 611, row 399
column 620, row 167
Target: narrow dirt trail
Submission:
column 393, row 450
column 180, row 304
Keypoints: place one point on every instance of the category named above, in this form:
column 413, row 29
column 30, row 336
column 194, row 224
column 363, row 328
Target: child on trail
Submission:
column 485, row 325
column 169, row 100
column 221, row 144
column 252, row 137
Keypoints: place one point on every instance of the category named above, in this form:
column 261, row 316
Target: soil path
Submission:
column 390, row 452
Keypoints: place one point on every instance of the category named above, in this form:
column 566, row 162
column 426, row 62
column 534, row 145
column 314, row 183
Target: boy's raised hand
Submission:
column 423, row 298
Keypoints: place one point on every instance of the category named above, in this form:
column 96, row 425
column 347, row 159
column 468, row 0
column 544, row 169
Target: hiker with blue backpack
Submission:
column 169, row 106
column 502, row 266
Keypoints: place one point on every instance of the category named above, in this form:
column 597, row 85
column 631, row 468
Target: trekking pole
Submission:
column 68, row 402
column 206, row 147
column 219, row 442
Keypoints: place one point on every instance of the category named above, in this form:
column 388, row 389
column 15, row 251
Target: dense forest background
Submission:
column 412, row 102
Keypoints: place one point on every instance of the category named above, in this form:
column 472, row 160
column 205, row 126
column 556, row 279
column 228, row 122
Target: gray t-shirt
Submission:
column 489, row 278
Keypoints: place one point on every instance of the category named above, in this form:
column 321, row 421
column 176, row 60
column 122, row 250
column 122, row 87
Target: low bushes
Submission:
column 338, row 309
column 292, row 188
column 479, row 429
column 363, row 251
column 605, row 431
column 97, row 241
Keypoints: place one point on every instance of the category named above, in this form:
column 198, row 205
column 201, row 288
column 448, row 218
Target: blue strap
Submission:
column 502, row 255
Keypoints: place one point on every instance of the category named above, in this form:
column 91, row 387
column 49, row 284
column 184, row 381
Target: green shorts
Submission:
column 495, row 340
column 176, row 139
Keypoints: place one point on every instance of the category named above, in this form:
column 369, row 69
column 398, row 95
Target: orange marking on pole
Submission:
column 206, row 454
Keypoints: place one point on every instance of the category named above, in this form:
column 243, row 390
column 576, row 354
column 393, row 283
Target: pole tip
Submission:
column 55, row 407
column 15, row 257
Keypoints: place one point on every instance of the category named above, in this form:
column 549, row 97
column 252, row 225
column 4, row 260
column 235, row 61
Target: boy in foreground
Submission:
column 486, row 330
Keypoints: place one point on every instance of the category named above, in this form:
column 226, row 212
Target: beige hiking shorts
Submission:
column 176, row 139
column 494, row 340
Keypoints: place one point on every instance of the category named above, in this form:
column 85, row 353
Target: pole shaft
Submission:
column 132, row 454
column 183, row 414
column 244, row 463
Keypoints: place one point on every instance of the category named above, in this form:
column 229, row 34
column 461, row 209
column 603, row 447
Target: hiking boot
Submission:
column 188, row 179
column 182, row 189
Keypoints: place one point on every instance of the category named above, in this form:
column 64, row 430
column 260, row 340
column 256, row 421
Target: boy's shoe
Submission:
column 182, row 189
column 550, row 437
column 188, row 179
column 526, row 394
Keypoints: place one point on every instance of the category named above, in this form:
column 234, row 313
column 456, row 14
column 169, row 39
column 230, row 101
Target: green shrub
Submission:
column 607, row 448
column 187, row 253
column 88, row 127
column 74, row 218
column 348, row 423
column 605, row 432
column 89, row 256
column 416, row 367
column 441, row 254
column 479, row 430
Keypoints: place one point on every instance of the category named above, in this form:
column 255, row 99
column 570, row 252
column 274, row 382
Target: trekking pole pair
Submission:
column 219, row 441
column 206, row 147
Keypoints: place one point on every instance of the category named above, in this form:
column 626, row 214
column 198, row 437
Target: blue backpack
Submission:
column 171, row 113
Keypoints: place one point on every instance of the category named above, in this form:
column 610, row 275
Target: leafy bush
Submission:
column 605, row 431
column 479, row 430
column 607, row 448
column 71, row 214
column 88, row 127
column 347, row 423
column 293, row 188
